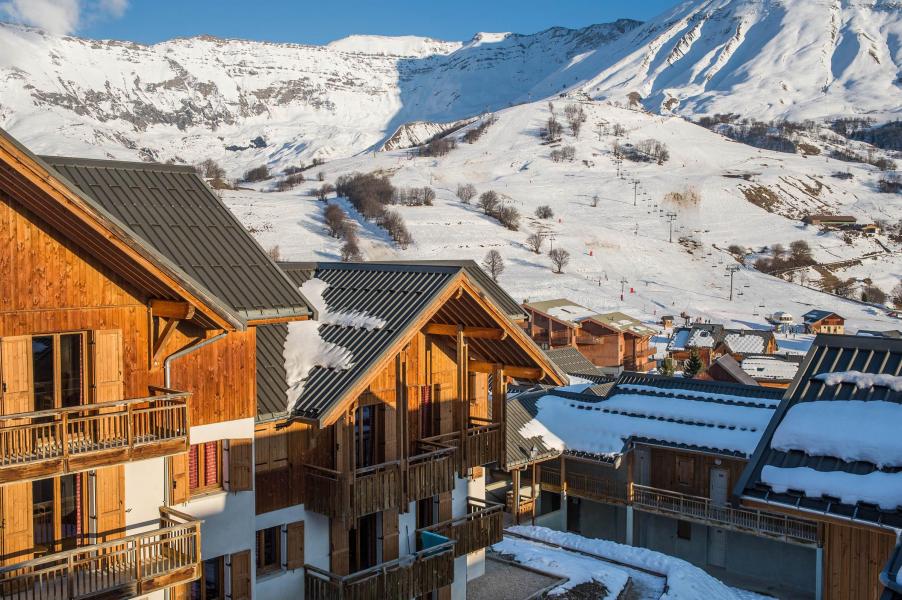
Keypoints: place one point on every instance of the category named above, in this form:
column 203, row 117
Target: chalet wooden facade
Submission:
column 710, row 341
column 824, row 321
column 607, row 340
column 858, row 531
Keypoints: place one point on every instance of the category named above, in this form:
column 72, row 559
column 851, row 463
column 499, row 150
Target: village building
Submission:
column 772, row 370
column 726, row 369
column 824, row 321
column 606, row 339
column 830, row 221
column 831, row 455
column 651, row 463
column 712, row 340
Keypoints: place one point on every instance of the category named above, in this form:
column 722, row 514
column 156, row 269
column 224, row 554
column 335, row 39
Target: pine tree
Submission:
column 667, row 367
column 693, row 366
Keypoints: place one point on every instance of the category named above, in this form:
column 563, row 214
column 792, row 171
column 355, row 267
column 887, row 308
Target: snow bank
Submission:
column 882, row 489
column 684, row 581
column 816, row 428
column 575, row 567
column 861, row 380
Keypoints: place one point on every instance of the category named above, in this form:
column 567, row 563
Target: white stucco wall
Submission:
column 145, row 491
column 290, row 584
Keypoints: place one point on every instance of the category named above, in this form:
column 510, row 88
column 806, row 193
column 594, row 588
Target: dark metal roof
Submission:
column 675, row 385
column 499, row 297
column 828, row 354
column 572, row 362
column 172, row 210
column 521, row 409
column 813, row 316
column 727, row 369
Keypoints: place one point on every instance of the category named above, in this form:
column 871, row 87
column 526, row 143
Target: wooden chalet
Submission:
column 830, row 456
column 127, row 341
column 772, row 370
column 831, row 221
column 383, row 458
column 712, row 340
column 607, row 340
column 824, row 321
column 652, row 463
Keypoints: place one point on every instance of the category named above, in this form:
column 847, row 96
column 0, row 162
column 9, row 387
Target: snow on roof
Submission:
column 304, row 347
column 861, row 380
column 603, row 428
column 770, row 367
column 570, row 312
column 877, row 487
column 811, row 427
column 701, row 338
column 700, row 395
column 679, row 340
column 745, row 343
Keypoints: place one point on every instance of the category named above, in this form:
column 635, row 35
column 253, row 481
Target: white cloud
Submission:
column 60, row 17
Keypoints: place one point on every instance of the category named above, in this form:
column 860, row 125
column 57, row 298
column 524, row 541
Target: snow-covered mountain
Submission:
column 242, row 102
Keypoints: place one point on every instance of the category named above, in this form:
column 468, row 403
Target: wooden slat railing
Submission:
column 431, row 471
column 609, row 491
column 703, row 510
column 402, row 579
column 484, row 443
column 481, row 527
column 129, row 567
column 335, row 494
column 55, row 442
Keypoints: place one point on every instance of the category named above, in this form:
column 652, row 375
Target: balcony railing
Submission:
column 703, row 510
column 431, row 471
column 371, row 489
column 608, row 491
column 409, row 577
column 125, row 568
column 481, row 527
column 67, row 440
column 483, row 443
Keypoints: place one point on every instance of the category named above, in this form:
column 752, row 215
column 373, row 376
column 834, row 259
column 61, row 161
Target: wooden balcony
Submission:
column 125, row 568
column 67, row 440
column 481, row 527
column 409, row 577
column 598, row 489
column 483, row 443
column 369, row 490
column 431, row 471
column 704, row 511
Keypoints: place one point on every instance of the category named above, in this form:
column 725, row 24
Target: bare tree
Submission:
column 493, row 264
column 595, row 201
column 509, row 217
column 428, row 196
column 576, row 116
column 488, row 201
column 350, row 251
column 560, row 258
column 324, row 190
column 321, row 176
column 544, row 212
column 619, row 130
column 466, row 192
column 335, row 219
column 275, row 253
column 896, row 296
column 534, row 242
column 568, row 153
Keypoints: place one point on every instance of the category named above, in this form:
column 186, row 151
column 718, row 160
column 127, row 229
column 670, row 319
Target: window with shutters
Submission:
column 57, row 369
column 57, row 513
column 269, row 550
column 211, row 585
column 205, row 468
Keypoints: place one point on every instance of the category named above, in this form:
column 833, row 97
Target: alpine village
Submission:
column 188, row 412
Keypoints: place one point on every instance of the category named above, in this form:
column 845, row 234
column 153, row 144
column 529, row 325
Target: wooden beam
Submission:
column 484, row 333
column 479, row 366
column 170, row 309
column 161, row 338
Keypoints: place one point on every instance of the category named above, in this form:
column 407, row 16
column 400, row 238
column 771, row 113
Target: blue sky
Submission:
column 149, row 21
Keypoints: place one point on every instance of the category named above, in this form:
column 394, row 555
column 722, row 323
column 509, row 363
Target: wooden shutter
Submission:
column 241, row 461
column 295, row 543
column 180, row 592
column 241, row 575
column 16, row 536
column 338, row 542
column 390, row 534
column 16, row 382
column 179, row 490
column 110, row 502
column 107, row 354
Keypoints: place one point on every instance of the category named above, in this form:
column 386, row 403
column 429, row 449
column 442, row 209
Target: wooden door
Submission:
column 719, row 486
column 109, row 500
column 643, row 466
column 241, row 575
column 16, row 388
column 717, row 547
column 107, row 375
column 16, row 534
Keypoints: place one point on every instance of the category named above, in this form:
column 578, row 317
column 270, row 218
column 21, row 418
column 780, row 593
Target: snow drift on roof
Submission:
column 570, row 312
column 882, row 489
column 819, row 429
column 745, row 343
column 861, row 380
column 728, row 398
column 313, row 289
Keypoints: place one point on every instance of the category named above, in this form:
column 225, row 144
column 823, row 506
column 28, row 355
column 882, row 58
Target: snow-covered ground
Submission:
column 624, row 241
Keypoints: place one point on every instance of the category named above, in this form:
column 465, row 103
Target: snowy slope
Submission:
column 616, row 240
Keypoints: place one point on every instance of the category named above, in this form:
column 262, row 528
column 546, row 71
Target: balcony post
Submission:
column 64, row 435
column 629, row 524
column 819, row 573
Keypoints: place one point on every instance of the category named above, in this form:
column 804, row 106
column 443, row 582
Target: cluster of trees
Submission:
column 341, row 227
column 210, row 170
column 567, row 153
column 895, row 296
column 370, row 194
column 687, row 197
column 575, row 116
column 890, row 183
column 416, row 196
column 289, row 182
column 544, row 212
column 841, row 287
column 798, row 255
column 507, row 215
column 323, row 191
column 260, row 173
column 773, row 135
column 643, row 151
column 553, row 129
column 438, row 147
column 871, row 158
column 559, row 257
column 887, row 136
column 466, row 192
column 472, row 135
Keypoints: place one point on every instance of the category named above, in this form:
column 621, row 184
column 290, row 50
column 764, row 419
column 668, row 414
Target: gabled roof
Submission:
column 821, row 451
column 572, row 362
column 889, row 333
column 698, row 335
column 561, row 309
column 170, row 209
column 772, row 367
column 521, row 409
column 402, row 296
column 747, row 341
column 623, row 323
column 725, row 368
column 813, row 316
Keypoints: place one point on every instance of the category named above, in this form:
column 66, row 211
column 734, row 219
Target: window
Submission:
column 211, row 585
column 269, row 550
column 57, row 362
column 685, row 471
column 205, row 468
column 684, row 530
column 56, row 513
